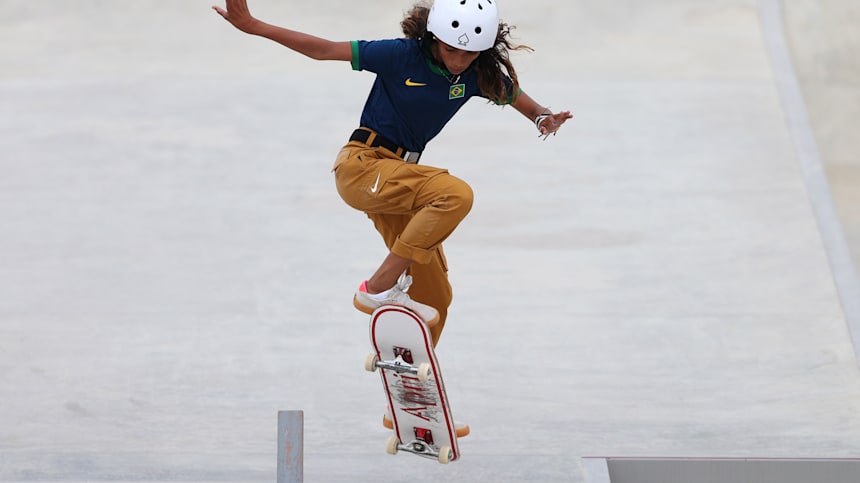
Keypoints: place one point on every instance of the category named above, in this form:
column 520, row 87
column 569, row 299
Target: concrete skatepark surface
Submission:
column 177, row 266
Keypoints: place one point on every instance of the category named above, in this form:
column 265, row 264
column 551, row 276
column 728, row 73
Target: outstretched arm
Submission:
column 237, row 13
column 544, row 119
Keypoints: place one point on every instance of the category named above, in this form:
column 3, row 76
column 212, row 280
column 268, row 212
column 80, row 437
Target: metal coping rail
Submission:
column 833, row 236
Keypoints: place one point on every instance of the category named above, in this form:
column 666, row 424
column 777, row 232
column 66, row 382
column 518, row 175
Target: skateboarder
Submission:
column 452, row 50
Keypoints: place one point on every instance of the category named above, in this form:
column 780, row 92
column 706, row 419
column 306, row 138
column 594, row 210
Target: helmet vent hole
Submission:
column 480, row 7
column 478, row 30
column 455, row 24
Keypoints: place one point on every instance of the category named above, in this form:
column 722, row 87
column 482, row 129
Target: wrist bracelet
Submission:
column 539, row 119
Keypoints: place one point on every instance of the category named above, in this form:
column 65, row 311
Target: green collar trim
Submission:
column 431, row 62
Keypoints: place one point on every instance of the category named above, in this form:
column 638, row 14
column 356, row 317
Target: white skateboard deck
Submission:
column 419, row 408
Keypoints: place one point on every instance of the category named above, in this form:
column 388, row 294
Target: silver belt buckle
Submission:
column 411, row 157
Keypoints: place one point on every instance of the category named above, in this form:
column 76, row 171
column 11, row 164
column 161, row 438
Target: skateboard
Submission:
column 403, row 355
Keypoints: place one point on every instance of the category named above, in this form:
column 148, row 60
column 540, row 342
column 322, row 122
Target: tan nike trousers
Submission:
column 414, row 207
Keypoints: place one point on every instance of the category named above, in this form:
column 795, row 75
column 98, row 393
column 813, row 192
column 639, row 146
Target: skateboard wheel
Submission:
column 445, row 455
column 423, row 371
column 370, row 362
column 392, row 444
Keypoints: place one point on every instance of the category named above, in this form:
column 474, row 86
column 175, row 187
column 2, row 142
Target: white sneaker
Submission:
column 396, row 295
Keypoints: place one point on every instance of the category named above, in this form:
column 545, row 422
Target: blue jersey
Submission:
column 412, row 98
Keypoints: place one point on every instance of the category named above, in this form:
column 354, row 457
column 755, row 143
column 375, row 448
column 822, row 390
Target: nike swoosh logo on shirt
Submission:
column 414, row 84
column 376, row 186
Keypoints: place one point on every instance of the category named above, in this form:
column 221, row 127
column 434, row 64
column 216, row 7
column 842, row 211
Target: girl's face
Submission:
column 454, row 59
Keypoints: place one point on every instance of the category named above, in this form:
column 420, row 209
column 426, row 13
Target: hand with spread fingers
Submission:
column 550, row 123
column 238, row 14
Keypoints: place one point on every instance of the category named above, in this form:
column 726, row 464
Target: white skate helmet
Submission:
column 465, row 24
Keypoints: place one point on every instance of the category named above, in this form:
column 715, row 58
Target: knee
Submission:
column 460, row 198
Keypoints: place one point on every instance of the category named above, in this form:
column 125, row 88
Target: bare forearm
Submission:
column 237, row 13
column 306, row 44
column 528, row 107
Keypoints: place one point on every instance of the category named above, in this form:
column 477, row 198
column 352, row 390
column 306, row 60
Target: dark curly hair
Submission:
column 492, row 64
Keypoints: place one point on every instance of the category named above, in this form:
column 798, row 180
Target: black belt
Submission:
column 372, row 139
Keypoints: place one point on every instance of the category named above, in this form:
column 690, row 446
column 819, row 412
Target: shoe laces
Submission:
column 403, row 283
column 398, row 294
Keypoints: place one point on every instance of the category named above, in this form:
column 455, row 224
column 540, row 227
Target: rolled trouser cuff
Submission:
column 416, row 254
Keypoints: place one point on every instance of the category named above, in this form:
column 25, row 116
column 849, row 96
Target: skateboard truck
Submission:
column 420, row 447
column 398, row 365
